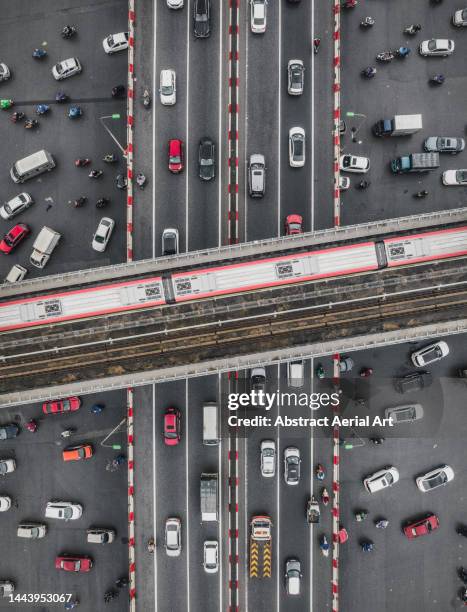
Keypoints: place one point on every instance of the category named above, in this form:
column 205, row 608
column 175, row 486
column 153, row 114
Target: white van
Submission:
column 31, row 166
column 31, row 531
column 210, row 423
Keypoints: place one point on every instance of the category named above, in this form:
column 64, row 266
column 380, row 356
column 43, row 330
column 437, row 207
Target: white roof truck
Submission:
column 210, row 423
column 43, row 246
column 209, row 497
column 401, row 125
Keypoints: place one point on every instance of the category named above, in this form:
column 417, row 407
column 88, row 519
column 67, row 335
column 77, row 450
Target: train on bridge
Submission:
column 231, row 279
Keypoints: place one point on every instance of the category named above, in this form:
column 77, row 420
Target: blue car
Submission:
column 74, row 112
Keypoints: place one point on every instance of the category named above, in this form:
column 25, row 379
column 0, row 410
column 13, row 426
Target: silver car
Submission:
column 435, row 478
column 268, row 458
column 173, row 537
column 66, row 68
column 407, row 413
column 444, row 144
column 101, row 238
column 211, row 556
column 297, row 147
column 292, row 576
column 16, row 205
column 437, row 47
column 295, row 77
column 31, row 531
column 292, row 465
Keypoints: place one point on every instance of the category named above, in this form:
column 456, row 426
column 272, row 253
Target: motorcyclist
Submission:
column 118, row 90
column 367, row 546
column 79, row 201
column 41, row 109
column 101, row 202
column 109, row 158
column 31, row 426
column 39, row 53
column 324, row 545
column 363, row 184
column 413, row 28
column 403, row 51
column 365, row 372
column 367, row 22
column 5, row 103
column 95, row 173
column 60, row 96
column 361, row 515
column 385, row 56
column 377, row 441
column 17, row 116
column 325, row 497
column 438, row 79
column 31, row 123
column 320, row 473
column 74, row 112
column 369, row 72
column 70, row 605
column 146, row 98
column 82, row 161
column 381, row 524
column 320, row 371
column 463, row 574
column 67, row 433
column 151, row 545
column 349, row 4
column 140, row 179
column 462, row 530
column 122, row 582
column 421, row 194
column 316, row 44
column 68, row 31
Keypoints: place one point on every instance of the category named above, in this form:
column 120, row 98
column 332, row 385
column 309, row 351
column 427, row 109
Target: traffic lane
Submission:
column 204, row 587
column 170, row 122
column 145, row 499
column 42, row 476
column 82, row 138
column 401, row 87
column 261, row 124
column 171, row 499
column 296, row 182
column 205, row 108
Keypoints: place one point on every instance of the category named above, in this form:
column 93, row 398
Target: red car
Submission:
column 172, row 426
column 422, row 527
column 175, row 155
column 69, row 404
column 14, row 237
column 293, row 225
column 70, row 563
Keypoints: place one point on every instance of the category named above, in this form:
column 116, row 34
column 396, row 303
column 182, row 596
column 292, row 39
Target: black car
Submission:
column 416, row 381
column 206, row 159
column 9, row 431
column 202, row 18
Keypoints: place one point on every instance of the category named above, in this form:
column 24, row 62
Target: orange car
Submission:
column 76, row 453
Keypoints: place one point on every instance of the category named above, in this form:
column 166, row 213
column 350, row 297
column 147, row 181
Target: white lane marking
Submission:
column 245, row 155
column 221, row 484
column 229, row 519
column 311, row 492
column 187, row 480
column 278, row 500
column 219, row 135
column 312, row 82
column 154, row 135
column 279, row 126
column 154, row 489
column 246, row 580
column 187, row 130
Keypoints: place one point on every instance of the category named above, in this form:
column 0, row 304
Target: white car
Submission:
column 66, row 68
column 7, row 588
column 211, row 556
column 296, row 373
column 16, row 274
column 170, row 241
column 407, row 413
column 16, row 205
column 258, row 16
column 344, row 183
column 7, row 466
column 168, row 87
column 430, row 354
column 5, row 73
column 382, row 479
column 292, row 465
column 435, row 478
column 455, row 177
column 103, row 232
column 268, row 458
column 63, row 510
column 295, row 77
column 116, row 42
column 354, row 163
column 460, row 18
column 175, row 4
column 437, row 47
column 292, row 576
column 173, row 537
column 5, row 503
column 297, row 147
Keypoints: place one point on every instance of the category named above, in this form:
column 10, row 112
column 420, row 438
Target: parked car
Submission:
column 435, row 478
column 172, row 426
column 69, row 404
column 346, row 364
column 170, row 241
column 455, row 177
column 420, row 527
column 382, row 479
column 211, row 556
column 460, row 18
column 444, row 144
column 292, row 576
column 13, row 237
column 7, row 466
column 16, row 205
column 292, row 465
column 415, row 381
column 293, row 224
column 295, row 77
column 406, row 413
column 202, row 18
column 430, row 354
column 5, row 503
column 9, row 431
column 268, row 458
column 258, row 16
column 437, row 47
column 116, row 42
column 297, row 147
column 206, row 159
column 5, row 73
column 72, row 563
column 102, row 235
column 66, row 68
column 173, row 537
column 31, row 531
column 77, row 453
column 175, row 155
column 354, row 163
column 168, row 87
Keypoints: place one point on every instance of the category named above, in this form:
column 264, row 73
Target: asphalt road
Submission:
column 22, row 30
column 42, row 476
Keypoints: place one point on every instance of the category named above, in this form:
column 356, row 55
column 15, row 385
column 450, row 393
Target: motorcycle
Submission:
column 69, row 31
column 325, row 497
column 421, row 194
column 320, row 371
column 361, row 515
column 381, row 524
column 82, row 161
column 462, row 574
column 61, row 97
column 324, row 545
column 110, row 159
column 102, row 202
column 118, row 91
column 319, row 471
column 42, row 109
column 141, row 180
column 5, row 103
column 78, row 202
column 412, row 29
column 437, row 79
column 368, row 22
column 74, row 112
column 402, row 52
column 348, row 4
column 67, row 433
column 39, row 53
column 121, row 181
column 146, row 98
column 18, row 116
column 95, row 174
column 367, row 546
column 365, row 372
column 316, row 44
column 377, row 441
column 385, row 56
column 30, row 124
column 151, row 546
column 369, row 72
column 462, row 530
column 31, row 426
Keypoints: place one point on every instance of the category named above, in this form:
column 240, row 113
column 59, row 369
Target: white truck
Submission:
column 43, row 246
column 210, row 423
column 209, row 497
column 401, row 125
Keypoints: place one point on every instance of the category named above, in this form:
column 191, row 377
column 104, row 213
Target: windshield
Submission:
column 167, row 90
column 298, row 146
column 175, row 159
column 432, row 354
column 432, row 45
column 461, row 176
column 110, row 40
column 435, row 481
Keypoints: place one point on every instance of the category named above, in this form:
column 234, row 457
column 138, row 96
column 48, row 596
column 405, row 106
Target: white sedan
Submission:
column 173, row 537
column 382, row 479
column 115, row 42
column 297, row 147
column 103, row 232
column 354, row 163
column 435, row 478
column 430, row 354
column 455, row 177
column 5, row 503
column 258, row 16
column 268, row 458
column 66, row 68
column 437, row 47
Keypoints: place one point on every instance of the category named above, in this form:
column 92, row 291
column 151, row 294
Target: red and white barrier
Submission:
column 337, row 110
column 233, row 114
column 335, row 497
column 131, row 501
column 129, row 130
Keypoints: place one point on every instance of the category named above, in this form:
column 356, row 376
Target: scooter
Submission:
column 324, row 545
column 39, row 53
column 411, row 30
column 368, row 22
column 320, row 472
column 82, row 161
column 365, row 372
column 42, row 109
column 31, row 426
column 146, row 98
column 325, row 497
column 385, row 56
